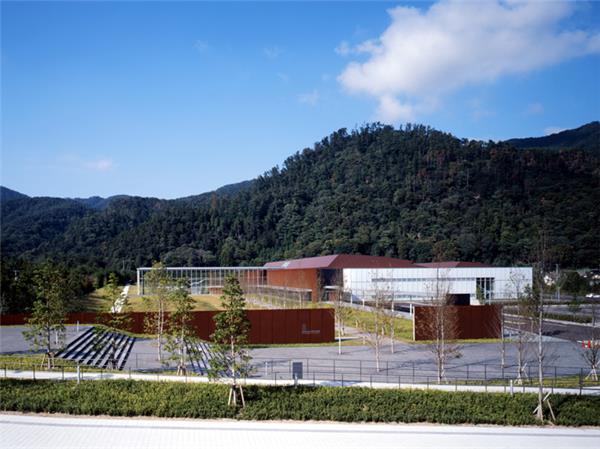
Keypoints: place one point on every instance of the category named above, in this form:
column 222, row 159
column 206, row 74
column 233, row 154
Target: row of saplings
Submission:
column 174, row 330
column 230, row 336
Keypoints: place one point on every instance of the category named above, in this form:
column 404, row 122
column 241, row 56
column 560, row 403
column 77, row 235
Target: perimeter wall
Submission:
column 472, row 322
column 273, row 326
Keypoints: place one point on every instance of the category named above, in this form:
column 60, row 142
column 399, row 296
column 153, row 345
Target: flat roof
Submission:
column 454, row 264
column 338, row 261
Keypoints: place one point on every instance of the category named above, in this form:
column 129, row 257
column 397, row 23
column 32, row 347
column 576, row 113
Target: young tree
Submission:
column 390, row 322
column 46, row 323
column 502, row 324
column 523, row 309
column 375, row 327
column 230, row 337
column 537, row 299
column 179, row 328
column 341, row 313
column 591, row 348
column 442, row 324
column 159, row 285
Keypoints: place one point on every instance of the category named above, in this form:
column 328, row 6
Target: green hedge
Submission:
column 172, row 399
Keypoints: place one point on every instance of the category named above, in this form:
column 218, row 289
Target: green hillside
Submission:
column 413, row 192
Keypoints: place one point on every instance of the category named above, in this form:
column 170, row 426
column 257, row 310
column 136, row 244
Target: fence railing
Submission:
column 347, row 372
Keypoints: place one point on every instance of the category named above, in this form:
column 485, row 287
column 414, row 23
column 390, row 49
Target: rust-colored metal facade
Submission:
column 314, row 273
column 472, row 322
column 275, row 326
column 291, row 278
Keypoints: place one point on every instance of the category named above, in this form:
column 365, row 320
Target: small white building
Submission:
column 472, row 282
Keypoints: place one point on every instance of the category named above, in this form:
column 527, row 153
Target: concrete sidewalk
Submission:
column 49, row 432
column 88, row 376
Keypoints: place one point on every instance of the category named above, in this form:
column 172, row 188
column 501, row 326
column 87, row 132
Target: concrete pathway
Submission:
column 49, row 432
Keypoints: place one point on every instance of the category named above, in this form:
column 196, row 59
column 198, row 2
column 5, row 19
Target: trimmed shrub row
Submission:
column 171, row 399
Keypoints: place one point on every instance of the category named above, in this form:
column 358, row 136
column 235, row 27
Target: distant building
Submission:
column 361, row 277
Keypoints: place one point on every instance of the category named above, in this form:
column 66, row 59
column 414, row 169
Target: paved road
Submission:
column 32, row 431
column 558, row 329
column 478, row 360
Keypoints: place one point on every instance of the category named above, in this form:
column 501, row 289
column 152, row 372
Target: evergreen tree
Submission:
column 46, row 323
column 230, row 338
column 180, row 331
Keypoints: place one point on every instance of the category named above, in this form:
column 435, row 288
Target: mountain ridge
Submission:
column 412, row 192
column 585, row 137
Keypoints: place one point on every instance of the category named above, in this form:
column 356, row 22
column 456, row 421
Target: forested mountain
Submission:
column 97, row 202
column 8, row 195
column 586, row 137
column 412, row 192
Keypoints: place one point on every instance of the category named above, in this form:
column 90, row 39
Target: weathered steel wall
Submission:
column 471, row 322
column 300, row 278
column 266, row 326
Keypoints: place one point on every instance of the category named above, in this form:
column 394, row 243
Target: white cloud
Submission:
column 100, row 165
column 343, row 48
column 390, row 110
column 272, row 52
column 201, row 46
column 534, row 109
column 309, row 98
column 425, row 54
column 553, row 130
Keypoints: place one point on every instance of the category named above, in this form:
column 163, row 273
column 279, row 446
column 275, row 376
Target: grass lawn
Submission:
column 95, row 302
column 201, row 302
column 282, row 303
column 26, row 362
column 365, row 321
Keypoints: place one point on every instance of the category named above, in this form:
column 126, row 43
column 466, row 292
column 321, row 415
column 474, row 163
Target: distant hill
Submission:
column 586, row 137
column 414, row 193
column 7, row 194
column 224, row 191
column 97, row 202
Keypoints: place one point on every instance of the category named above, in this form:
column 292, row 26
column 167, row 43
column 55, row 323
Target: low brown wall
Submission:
column 472, row 322
column 275, row 326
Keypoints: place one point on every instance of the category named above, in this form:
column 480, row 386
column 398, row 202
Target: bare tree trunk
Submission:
column 502, row 339
column 540, row 410
column 377, row 367
column 520, row 357
column 540, row 324
column 392, row 322
column 233, row 373
column 160, row 319
column 441, row 342
column 592, row 348
column 339, row 339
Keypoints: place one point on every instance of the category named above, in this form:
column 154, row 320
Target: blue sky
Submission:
column 175, row 99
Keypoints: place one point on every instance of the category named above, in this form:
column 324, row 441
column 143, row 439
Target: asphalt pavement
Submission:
column 61, row 432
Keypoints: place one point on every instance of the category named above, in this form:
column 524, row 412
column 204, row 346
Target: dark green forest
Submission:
column 412, row 192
